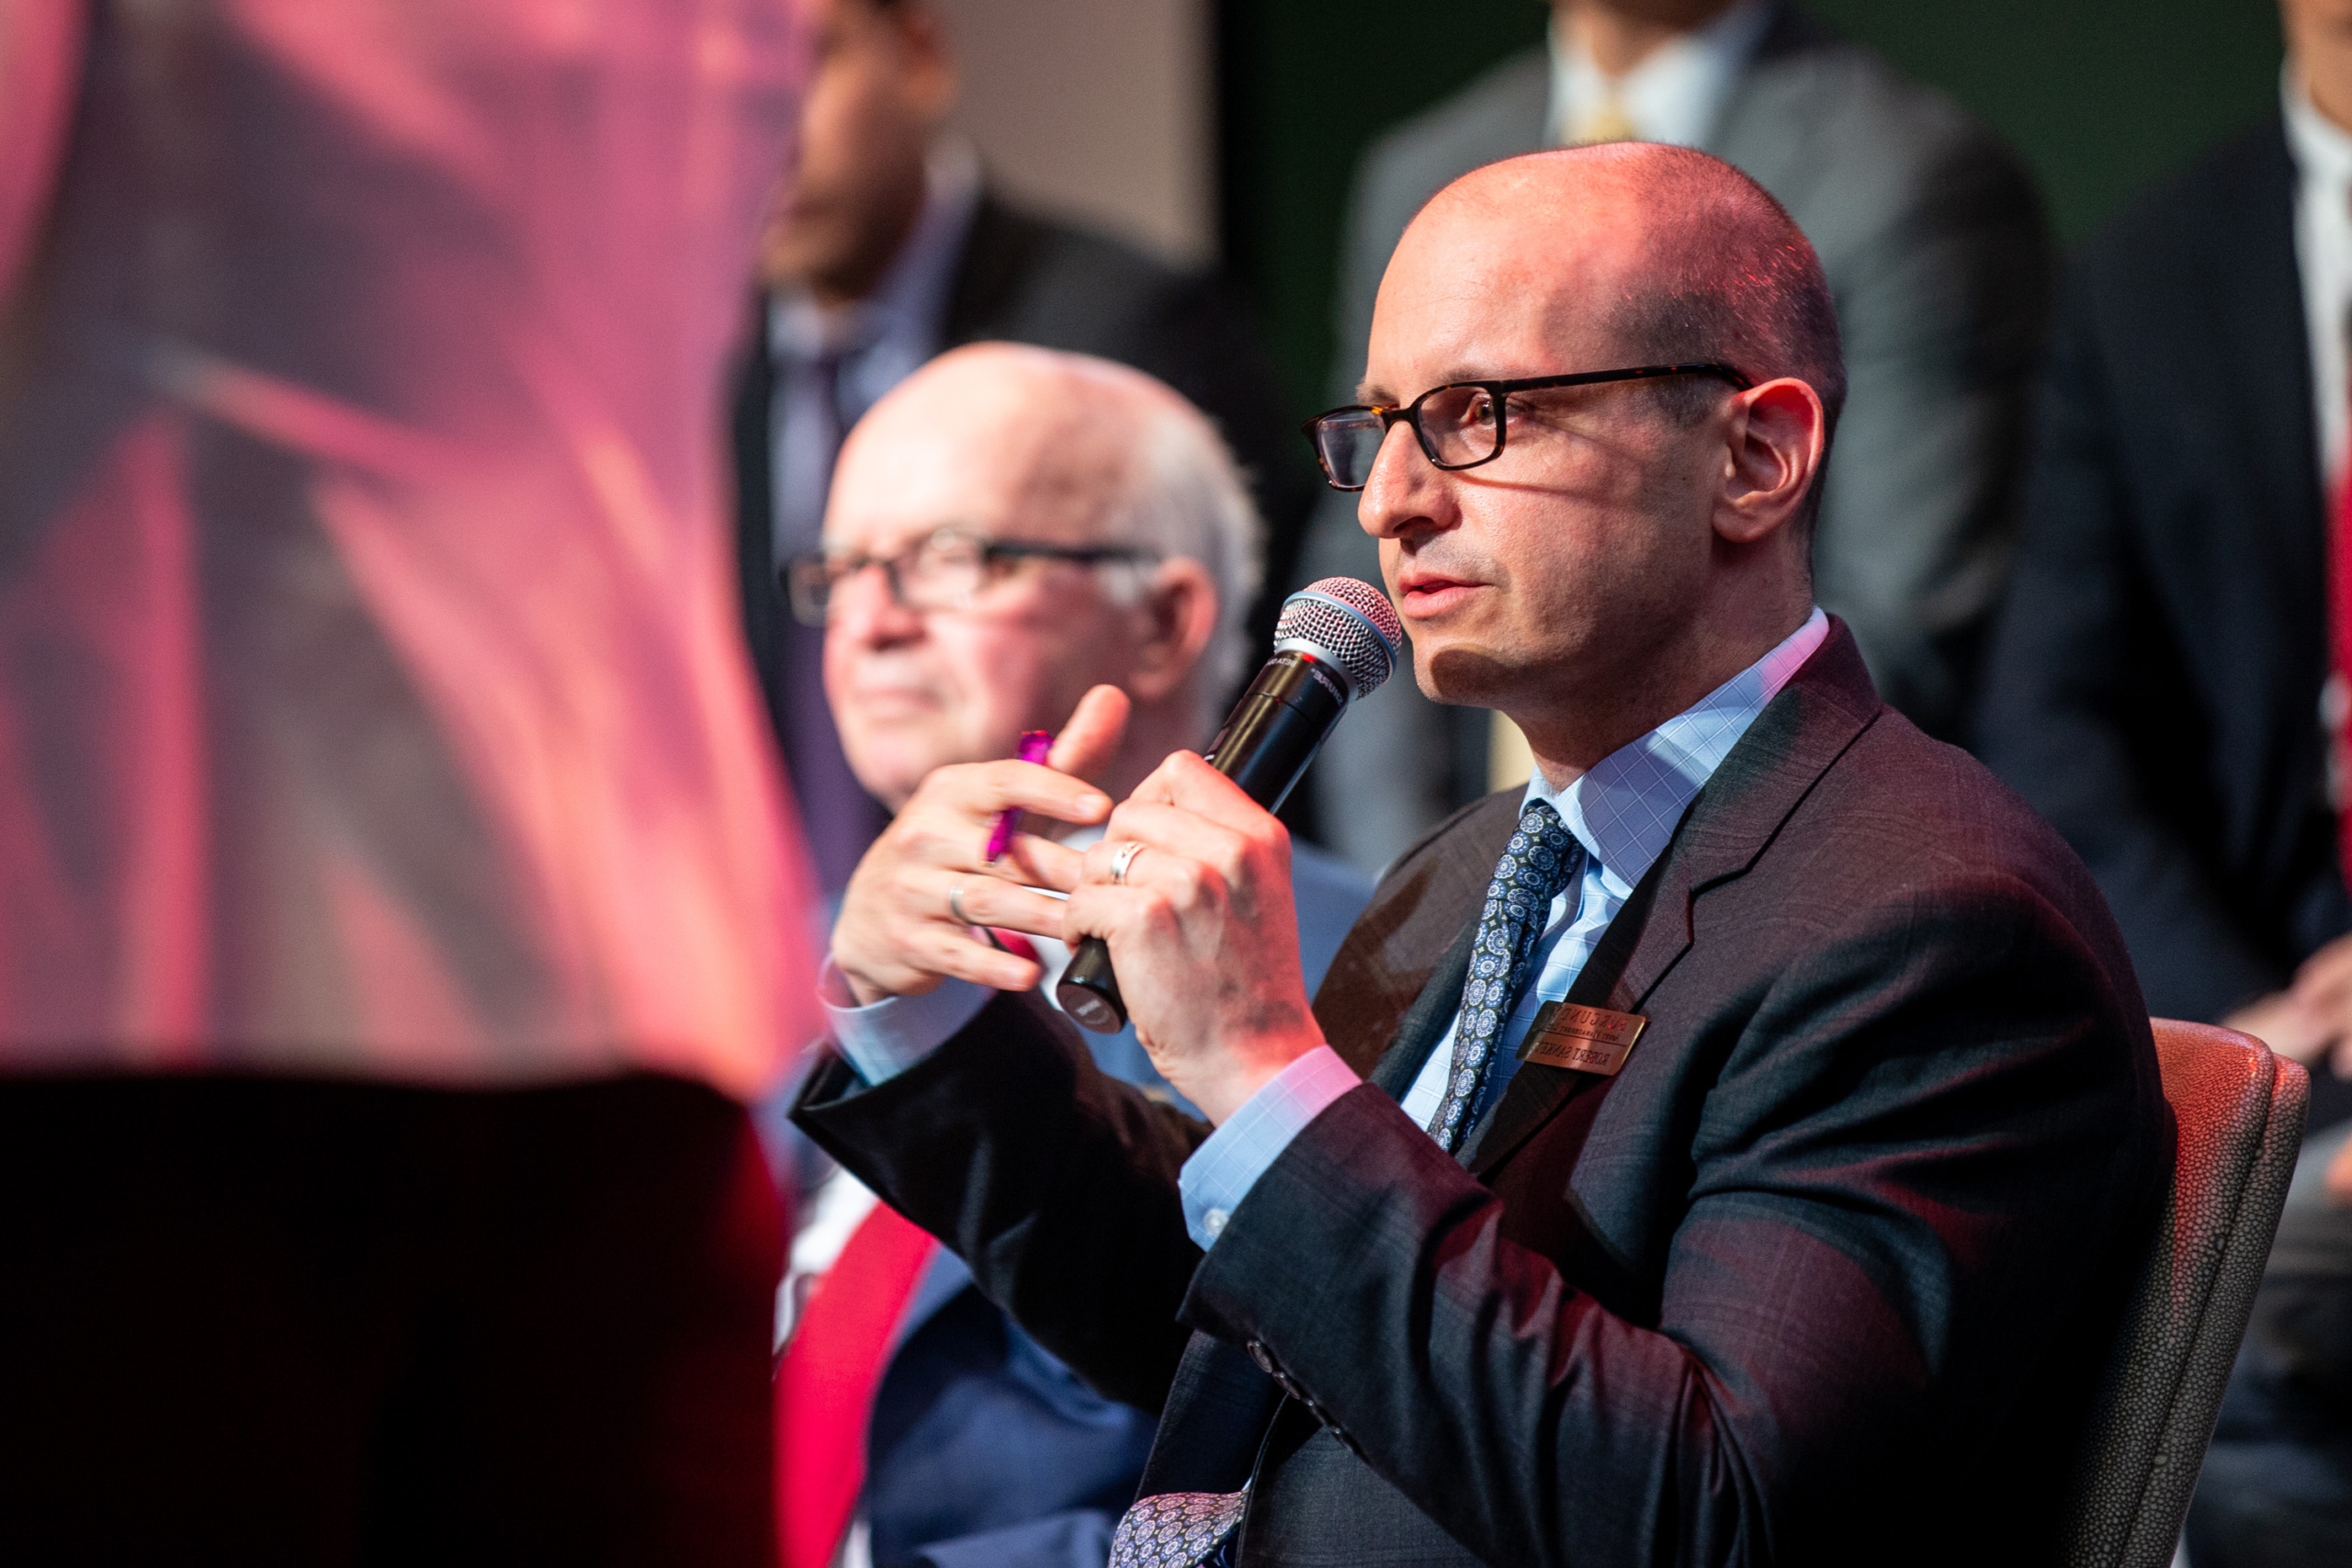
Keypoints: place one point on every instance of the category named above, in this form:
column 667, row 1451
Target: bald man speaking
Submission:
column 1731, row 1148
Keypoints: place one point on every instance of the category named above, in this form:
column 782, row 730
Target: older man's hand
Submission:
column 2311, row 1020
column 1202, row 933
column 909, row 917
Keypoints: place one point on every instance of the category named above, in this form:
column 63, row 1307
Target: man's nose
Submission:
column 864, row 608
column 1405, row 492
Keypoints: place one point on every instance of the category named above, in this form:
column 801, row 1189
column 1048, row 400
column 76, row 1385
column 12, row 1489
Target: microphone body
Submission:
column 1270, row 737
column 1278, row 725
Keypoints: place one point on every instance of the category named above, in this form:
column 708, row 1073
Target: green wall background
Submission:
column 2101, row 96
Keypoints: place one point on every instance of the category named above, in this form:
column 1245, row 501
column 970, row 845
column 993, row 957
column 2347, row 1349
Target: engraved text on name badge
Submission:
column 1591, row 1040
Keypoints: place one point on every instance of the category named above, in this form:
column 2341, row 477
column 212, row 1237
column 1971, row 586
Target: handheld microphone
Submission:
column 1336, row 640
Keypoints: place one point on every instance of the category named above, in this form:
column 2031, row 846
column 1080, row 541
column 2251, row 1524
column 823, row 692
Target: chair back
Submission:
column 2240, row 1114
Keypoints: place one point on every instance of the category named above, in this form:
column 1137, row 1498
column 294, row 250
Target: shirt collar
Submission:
column 2322, row 149
column 1675, row 94
column 912, row 295
column 1624, row 809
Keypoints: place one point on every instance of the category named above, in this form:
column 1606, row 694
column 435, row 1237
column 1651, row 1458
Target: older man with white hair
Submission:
column 1007, row 528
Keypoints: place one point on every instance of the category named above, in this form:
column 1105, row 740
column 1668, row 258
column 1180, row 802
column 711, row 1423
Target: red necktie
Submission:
column 825, row 1386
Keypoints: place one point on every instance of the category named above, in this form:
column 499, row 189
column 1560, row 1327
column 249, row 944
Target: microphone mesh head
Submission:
column 1348, row 623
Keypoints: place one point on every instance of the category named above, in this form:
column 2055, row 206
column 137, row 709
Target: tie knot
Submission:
column 1605, row 122
column 1540, row 852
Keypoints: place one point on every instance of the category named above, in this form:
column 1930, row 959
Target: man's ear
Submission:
column 1777, row 436
column 1176, row 617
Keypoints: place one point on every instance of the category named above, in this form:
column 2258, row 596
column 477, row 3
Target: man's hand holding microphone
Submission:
column 1189, row 887
column 1200, row 922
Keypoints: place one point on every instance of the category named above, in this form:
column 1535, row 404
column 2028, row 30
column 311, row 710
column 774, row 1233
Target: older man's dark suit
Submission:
column 1823, row 1276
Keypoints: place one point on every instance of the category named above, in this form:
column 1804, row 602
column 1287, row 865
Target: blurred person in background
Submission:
column 401, row 895
column 2168, row 686
column 888, row 245
column 1009, row 527
column 1932, row 237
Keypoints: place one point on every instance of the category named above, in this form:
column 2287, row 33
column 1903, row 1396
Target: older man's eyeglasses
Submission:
column 1460, row 425
column 947, row 570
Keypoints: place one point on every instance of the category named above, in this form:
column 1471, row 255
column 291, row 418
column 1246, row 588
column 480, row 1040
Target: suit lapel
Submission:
column 1402, row 1062
column 1383, row 983
column 1820, row 713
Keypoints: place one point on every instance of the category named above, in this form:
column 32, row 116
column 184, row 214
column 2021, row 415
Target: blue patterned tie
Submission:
column 1540, row 860
column 1177, row 1529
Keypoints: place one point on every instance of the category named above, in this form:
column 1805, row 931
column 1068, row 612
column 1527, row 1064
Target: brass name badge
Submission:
column 1591, row 1040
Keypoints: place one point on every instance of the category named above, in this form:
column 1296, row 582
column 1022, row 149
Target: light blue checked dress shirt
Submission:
column 1624, row 811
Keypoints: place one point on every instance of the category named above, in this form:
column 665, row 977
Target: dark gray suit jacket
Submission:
column 1823, row 1276
column 1932, row 238
column 2155, row 683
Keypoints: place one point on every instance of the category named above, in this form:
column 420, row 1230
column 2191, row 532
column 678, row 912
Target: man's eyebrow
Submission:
column 1372, row 392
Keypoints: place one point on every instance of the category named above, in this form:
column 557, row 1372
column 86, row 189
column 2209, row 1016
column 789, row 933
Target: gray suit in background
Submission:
column 1931, row 235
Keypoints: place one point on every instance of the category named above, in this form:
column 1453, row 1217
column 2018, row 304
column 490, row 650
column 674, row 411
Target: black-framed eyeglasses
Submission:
column 946, row 571
column 1459, row 425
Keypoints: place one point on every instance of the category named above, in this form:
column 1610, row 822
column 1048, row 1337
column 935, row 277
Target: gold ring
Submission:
column 1123, row 857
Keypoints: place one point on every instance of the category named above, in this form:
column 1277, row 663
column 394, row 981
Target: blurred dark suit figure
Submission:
column 2155, row 685
column 889, row 248
column 2156, row 688
column 1932, row 236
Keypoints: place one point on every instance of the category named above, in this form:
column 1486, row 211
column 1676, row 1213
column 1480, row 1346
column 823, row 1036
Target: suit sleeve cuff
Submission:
column 884, row 1039
column 1222, row 1171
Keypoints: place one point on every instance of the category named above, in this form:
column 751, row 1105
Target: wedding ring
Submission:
column 955, row 902
column 1123, row 857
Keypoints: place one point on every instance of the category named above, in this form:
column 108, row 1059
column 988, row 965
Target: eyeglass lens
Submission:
column 944, row 572
column 1348, row 443
column 1456, row 426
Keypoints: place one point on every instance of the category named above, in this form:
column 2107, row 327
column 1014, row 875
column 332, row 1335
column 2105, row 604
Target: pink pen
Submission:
column 1035, row 744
